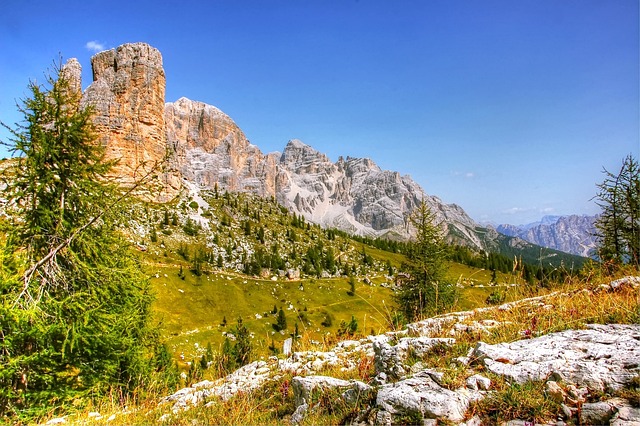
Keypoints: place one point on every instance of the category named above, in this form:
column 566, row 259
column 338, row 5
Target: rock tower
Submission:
column 128, row 95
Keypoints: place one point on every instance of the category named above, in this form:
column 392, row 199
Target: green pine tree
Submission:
column 243, row 348
column 427, row 291
column 352, row 286
column 618, row 226
column 281, row 321
column 74, row 308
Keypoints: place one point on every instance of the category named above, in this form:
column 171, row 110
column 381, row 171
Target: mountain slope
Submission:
column 204, row 147
column 571, row 234
column 354, row 195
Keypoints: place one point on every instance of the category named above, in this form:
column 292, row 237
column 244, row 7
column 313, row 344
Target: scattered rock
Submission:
column 245, row 379
column 628, row 282
column 422, row 397
column 390, row 355
column 573, row 362
column 626, row 416
column 554, row 391
column 596, row 413
column 304, row 386
column 602, row 357
column 300, row 413
column 478, row 382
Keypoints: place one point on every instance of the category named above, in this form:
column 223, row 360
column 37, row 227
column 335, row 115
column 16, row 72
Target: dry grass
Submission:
column 570, row 306
column 516, row 401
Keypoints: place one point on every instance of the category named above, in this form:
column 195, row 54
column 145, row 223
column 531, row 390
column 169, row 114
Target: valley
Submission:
column 195, row 308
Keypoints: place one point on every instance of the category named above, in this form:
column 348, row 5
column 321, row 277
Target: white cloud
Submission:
column 547, row 210
column 466, row 175
column 94, row 45
column 515, row 210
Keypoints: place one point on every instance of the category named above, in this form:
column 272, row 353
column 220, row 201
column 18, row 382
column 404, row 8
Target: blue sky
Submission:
column 510, row 109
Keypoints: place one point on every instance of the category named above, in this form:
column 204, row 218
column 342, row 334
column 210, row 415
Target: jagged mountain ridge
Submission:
column 357, row 196
column 354, row 195
column 570, row 234
column 203, row 146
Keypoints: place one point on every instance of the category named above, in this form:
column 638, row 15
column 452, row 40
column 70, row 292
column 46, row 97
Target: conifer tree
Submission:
column 153, row 235
column 281, row 321
column 352, row 286
column 74, row 306
column 243, row 349
column 427, row 290
column 618, row 226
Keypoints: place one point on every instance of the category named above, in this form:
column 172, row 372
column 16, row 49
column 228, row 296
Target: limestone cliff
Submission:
column 72, row 72
column 128, row 95
column 203, row 146
column 209, row 149
column 357, row 196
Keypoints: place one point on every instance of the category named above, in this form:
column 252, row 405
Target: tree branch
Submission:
column 26, row 277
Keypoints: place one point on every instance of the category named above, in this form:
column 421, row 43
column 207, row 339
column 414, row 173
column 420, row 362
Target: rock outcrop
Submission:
column 204, row 146
column 210, row 150
column 128, row 96
column 573, row 364
column 357, row 196
column 577, row 357
column 354, row 195
column 72, row 72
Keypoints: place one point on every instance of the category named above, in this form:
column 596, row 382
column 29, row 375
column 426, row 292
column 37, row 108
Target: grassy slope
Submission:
column 191, row 310
column 578, row 302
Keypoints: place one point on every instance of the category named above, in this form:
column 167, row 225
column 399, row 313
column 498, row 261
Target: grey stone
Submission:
column 629, row 281
column 602, row 357
column 473, row 421
column 478, row 382
column 567, row 411
column 303, row 387
column 300, row 413
column 554, row 390
column 355, row 393
column 626, row 416
column 596, row 413
column 390, row 358
column 424, row 397
column 379, row 379
column 246, row 378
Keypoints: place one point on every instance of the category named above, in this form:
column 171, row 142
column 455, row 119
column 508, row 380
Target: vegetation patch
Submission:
column 527, row 402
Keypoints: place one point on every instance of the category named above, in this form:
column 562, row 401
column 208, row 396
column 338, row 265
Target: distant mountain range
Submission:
column 571, row 234
column 203, row 146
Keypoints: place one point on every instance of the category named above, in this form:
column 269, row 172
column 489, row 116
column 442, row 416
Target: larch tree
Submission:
column 74, row 303
column 618, row 226
column 426, row 291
